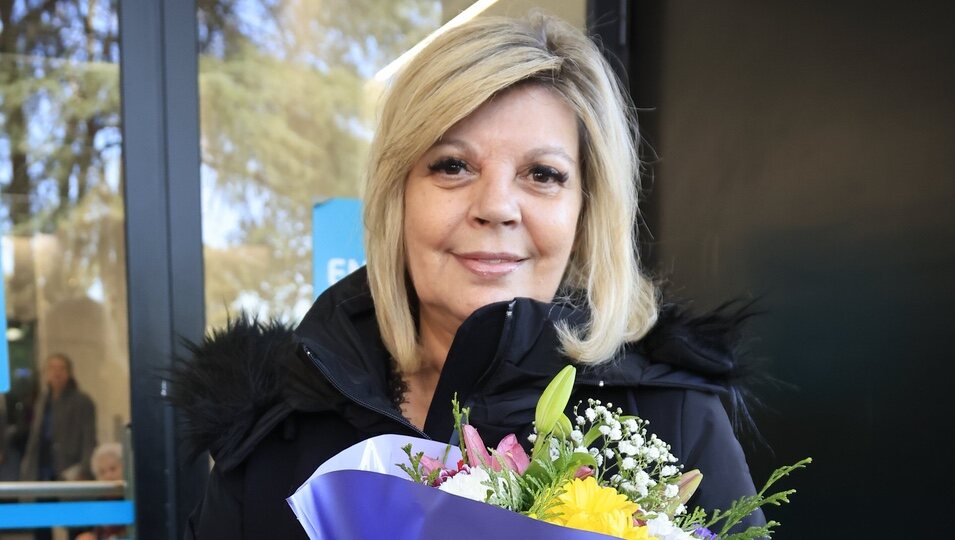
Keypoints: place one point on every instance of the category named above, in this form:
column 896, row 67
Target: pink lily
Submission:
column 429, row 464
column 511, row 454
column 474, row 445
column 583, row 472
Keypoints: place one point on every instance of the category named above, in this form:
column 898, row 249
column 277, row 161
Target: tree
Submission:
column 286, row 115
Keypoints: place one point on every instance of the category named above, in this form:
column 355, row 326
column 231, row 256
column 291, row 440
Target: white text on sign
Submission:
column 340, row 267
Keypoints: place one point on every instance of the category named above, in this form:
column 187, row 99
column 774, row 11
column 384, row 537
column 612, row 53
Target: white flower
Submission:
column 580, row 420
column 661, row 528
column 604, row 430
column 653, row 453
column 554, row 454
column 668, row 470
column 609, row 453
column 627, row 448
column 615, row 434
column 628, row 463
column 637, row 440
column 671, row 491
column 590, row 414
column 532, row 437
column 576, row 436
column 631, row 424
column 468, row 485
column 641, row 478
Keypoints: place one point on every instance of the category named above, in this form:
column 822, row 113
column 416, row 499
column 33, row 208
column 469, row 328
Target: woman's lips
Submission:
column 489, row 264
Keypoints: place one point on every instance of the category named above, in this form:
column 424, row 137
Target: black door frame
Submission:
column 159, row 88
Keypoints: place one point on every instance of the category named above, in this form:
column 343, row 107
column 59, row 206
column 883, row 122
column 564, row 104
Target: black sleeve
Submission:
column 708, row 444
column 87, row 436
column 219, row 514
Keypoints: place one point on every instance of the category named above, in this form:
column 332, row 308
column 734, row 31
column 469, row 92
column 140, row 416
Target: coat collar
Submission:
column 499, row 346
column 243, row 380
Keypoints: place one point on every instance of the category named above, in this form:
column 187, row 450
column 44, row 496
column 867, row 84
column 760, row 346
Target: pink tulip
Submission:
column 513, row 455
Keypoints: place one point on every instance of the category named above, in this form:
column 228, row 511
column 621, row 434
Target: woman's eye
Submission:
column 449, row 166
column 547, row 175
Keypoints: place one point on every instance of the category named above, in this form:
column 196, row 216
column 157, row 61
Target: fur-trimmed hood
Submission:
column 240, row 382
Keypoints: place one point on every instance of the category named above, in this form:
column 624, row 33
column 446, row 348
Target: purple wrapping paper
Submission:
column 361, row 493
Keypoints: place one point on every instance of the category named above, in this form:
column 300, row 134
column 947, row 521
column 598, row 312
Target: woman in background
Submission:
column 63, row 433
column 107, row 465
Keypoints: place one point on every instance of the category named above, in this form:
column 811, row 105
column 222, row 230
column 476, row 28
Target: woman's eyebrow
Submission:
column 550, row 151
column 534, row 153
column 460, row 144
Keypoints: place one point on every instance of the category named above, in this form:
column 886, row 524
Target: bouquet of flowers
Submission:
column 599, row 473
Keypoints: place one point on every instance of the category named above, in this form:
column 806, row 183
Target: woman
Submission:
column 500, row 210
column 63, row 433
column 107, row 465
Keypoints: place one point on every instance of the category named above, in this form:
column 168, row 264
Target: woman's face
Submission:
column 57, row 373
column 491, row 209
column 108, row 468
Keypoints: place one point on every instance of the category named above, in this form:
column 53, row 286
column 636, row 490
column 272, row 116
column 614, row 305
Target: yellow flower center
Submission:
column 586, row 505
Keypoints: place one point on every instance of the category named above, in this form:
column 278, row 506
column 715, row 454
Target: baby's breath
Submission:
column 627, row 457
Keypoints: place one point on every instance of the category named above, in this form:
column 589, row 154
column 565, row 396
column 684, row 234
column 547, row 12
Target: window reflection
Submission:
column 62, row 223
column 286, row 120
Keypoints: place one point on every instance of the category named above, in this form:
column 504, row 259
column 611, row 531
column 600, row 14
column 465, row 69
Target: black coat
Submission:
column 271, row 407
column 73, row 418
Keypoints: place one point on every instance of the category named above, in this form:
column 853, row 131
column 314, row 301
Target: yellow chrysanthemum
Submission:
column 586, row 505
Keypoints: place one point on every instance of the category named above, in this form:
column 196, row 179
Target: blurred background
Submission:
column 159, row 163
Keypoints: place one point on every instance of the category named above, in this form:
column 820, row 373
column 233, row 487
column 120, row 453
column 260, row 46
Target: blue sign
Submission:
column 4, row 348
column 337, row 248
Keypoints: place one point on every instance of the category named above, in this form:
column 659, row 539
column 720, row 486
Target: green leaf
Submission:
column 591, row 436
column 581, row 459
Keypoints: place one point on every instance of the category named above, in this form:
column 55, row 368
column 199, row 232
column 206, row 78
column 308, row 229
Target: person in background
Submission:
column 107, row 465
column 63, row 433
column 107, row 462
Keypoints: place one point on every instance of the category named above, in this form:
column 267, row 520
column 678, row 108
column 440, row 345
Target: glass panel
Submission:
column 288, row 91
column 62, row 226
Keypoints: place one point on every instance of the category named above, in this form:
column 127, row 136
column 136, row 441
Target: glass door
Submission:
column 64, row 409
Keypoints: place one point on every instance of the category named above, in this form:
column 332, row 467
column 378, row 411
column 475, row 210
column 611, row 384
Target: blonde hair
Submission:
column 446, row 82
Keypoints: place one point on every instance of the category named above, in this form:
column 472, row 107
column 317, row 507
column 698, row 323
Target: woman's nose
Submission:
column 495, row 198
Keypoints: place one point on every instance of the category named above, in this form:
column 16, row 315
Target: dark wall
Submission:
column 806, row 159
